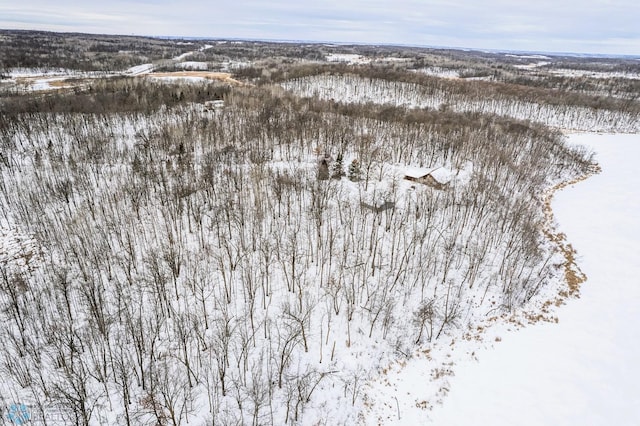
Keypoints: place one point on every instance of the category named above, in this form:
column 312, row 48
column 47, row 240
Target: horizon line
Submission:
column 345, row 43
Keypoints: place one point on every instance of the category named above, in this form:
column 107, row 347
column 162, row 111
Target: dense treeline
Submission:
column 473, row 89
column 267, row 62
column 198, row 266
column 619, row 87
column 117, row 94
column 83, row 52
column 568, row 110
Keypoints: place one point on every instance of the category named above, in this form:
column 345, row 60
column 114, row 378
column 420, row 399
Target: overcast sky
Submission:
column 587, row 26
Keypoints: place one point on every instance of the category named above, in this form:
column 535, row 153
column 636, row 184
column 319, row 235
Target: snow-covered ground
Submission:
column 234, row 65
column 354, row 89
column 193, row 65
column 16, row 247
column 187, row 54
column 583, row 370
column 46, row 79
column 178, row 78
column 532, row 65
column 594, row 74
column 350, row 58
column 45, row 84
column 36, row 72
column 140, row 69
column 528, row 56
column 440, row 72
column 557, row 374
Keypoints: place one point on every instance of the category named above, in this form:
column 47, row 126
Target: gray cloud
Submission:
column 595, row 26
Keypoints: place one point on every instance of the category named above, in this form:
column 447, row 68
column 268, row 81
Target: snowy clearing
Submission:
column 234, row 65
column 440, row 72
column 594, row 74
column 394, row 59
column 193, row 65
column 350, row 58
column 35, row 72
column 584, row 369
column 183, row 56
column 532, row 65
column 528, row 56
column 140, row 69
column 46, row 84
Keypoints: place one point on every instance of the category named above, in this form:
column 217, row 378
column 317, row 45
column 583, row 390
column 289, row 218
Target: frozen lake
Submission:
column 585, row 370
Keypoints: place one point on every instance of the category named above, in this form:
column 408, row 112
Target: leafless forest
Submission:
column 163, row 262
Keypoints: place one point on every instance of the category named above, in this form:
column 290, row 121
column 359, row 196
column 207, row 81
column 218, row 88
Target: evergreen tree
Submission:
column 354, row 171
column 323, row 170
column 337, row 169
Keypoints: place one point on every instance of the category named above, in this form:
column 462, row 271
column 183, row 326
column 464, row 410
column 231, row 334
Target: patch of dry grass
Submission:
column 210, row 75
column 573, row 276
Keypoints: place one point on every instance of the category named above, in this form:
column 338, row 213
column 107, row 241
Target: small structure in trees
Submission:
column 437, row 178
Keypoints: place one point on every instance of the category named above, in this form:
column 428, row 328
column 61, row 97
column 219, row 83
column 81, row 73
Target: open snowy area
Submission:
column 192, row 65
column 350, row 58
column 583, row 370
column 595, row 74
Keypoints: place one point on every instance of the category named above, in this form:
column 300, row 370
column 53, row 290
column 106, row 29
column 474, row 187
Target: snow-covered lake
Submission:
column 585, row 369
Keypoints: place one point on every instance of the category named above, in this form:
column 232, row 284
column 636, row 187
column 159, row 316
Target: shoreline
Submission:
column 579, row 371
column 452, row 352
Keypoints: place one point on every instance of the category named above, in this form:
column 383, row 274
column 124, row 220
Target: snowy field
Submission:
column 583, row 370
column 594, row 74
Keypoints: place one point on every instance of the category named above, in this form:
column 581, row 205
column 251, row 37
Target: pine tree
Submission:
column 337, row 169
column 354, row 171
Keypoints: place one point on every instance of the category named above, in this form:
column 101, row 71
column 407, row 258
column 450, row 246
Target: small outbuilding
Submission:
column 438, row 177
